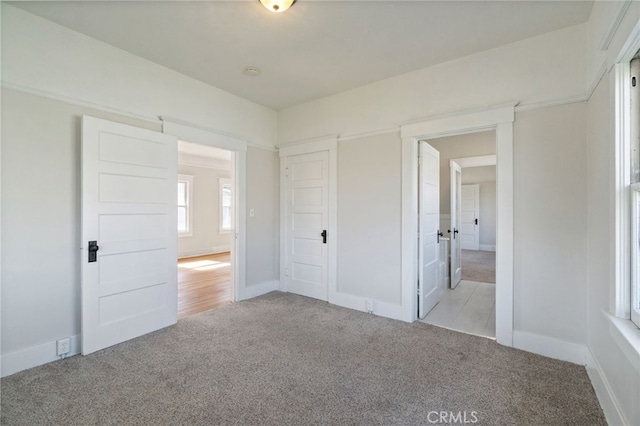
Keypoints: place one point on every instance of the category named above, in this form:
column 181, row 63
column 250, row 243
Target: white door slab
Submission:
column 470, row 217
column 129, row 210
column 456, row 207
column 307, row 223
column 429, row 283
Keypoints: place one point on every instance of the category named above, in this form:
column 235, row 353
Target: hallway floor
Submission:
column 469, row 308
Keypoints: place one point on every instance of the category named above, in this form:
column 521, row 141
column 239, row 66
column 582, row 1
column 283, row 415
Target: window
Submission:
column 185, row 214
column 630, row 165
column 225, row 206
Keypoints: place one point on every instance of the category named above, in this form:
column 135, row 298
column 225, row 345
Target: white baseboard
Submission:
column 601, row 386
column 256, row 290
column 550, row 346
column 487, row 247
column 204, row 252
column 37, row 355
column 383, row 309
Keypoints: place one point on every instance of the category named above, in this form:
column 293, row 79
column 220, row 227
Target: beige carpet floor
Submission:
column 287, row 360
column 479, row 266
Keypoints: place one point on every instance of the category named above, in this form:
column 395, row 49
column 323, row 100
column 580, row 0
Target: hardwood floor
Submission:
column 204, row 283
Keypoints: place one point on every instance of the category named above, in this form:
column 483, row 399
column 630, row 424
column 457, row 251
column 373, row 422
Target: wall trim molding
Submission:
column 595, row 82
column 256, row 290
column 196, row 133
column 478, row 161
column 77, row 102
column 34, row 356
column 550, row 347
column 307, row 142
column 204, row 251
column 615, row 24
column 358, row 303
column 551, row 103
column 354, row 136
column 607, row 399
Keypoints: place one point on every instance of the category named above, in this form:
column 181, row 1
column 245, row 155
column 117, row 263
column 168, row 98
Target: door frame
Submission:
column 498, row 118
column 195, row 134
column 329, row 144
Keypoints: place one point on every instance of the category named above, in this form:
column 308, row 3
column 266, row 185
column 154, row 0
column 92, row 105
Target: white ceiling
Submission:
column 316, row 48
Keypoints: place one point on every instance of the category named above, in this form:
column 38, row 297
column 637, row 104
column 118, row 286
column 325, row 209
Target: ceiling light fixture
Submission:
column 277, row 5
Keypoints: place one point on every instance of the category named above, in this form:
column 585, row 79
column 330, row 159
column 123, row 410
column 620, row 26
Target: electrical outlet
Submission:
column 370, row 306
column 62, row 346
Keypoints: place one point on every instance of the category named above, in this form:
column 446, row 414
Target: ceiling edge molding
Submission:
column 77, row 102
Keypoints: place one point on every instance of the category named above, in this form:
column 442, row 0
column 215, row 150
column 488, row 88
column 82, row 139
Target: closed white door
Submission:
column 456, row 204
column 129, row 232
column 469, row 217
column 307, row 223
column 430, row 287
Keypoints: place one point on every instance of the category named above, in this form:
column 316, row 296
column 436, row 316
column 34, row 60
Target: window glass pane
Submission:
column 226, row 195
column 182, row 193
column 226, row 217
column 182, row 219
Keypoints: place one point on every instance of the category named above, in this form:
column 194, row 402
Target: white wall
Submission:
column 51, row 60
column 369, row 218
column 469, row 145
column 485, row 177
column 41, row 199
column 263, row 229
column 616, row 381
column 488, row 215
column 549, row 201
column 205, row 237
column 537, row 70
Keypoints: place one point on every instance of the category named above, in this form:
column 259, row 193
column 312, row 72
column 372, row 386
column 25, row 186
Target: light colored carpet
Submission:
column 479, row 266
column 287, row 360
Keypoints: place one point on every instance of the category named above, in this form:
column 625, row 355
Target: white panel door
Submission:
column 129, row 213
column 430, row 287
column 469, row 217
column 307, row 219
column 456, row 204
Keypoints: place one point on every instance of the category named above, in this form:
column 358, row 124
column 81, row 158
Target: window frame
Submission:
column 188, row 180
column 222, row 182
column 634, row 287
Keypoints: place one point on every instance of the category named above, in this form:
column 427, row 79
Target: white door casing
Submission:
column 129, row 208
column 470, row 217
column 456, row 213
column 194, row 133
column 429, row 287
column 307, row 224
column 501, row 119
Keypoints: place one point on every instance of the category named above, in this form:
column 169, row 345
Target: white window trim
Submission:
column 222, row 182
column 189, row 180
column 622, row 330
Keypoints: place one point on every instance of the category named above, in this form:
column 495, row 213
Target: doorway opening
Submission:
column 206, row 206
column 468, row 224
column 499, row 118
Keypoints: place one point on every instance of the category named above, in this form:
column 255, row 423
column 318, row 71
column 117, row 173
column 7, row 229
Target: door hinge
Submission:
column 286, row 272
column 286, row 172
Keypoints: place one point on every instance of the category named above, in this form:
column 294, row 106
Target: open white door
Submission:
column 129, row 232
column 429, row 286
column 307, row 224
column 456, row 249
column 469, row 217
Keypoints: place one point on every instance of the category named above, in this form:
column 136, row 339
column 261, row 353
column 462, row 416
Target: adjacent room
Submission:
column 324, row 212
column 468, row 243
